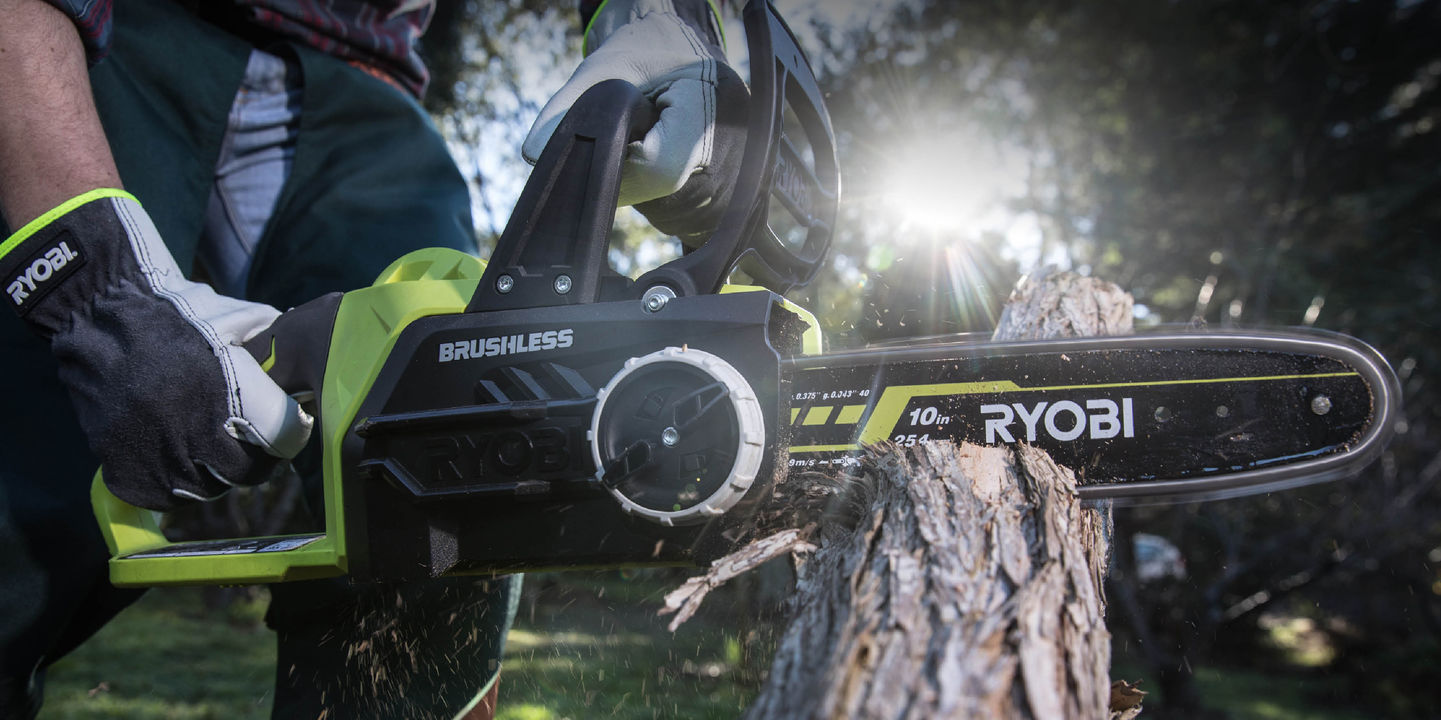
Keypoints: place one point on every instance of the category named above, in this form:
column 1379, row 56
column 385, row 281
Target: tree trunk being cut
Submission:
column 966, row 580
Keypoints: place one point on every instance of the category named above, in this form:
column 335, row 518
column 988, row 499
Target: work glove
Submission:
column 680, row 176
column 173, row 406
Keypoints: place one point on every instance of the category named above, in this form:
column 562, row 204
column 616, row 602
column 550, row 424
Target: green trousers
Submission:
column 371, row 180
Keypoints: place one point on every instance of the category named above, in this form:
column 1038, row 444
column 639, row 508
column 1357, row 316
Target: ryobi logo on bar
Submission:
column 1065, row 420
column 506, row 345
column 52, row 263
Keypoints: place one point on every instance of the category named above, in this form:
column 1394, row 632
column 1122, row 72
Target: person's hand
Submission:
column 171, row 403
column 682, row 173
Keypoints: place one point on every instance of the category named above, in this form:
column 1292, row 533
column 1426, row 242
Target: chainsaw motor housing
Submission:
column 472, row 452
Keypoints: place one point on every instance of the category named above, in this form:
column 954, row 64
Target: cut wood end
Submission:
column 1049, row 304
column 984, row 465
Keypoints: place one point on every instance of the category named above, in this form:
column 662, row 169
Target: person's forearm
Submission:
column 52, row 146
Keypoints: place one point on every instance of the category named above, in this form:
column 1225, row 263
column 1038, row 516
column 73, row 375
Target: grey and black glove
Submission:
column 680, row 176
column 173, row 406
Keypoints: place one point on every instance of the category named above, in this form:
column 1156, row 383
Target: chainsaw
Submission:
column 540, row 411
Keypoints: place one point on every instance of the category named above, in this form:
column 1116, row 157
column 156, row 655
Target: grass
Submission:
column 592, row 646
column 1249, row 694
column 584, row 646
column 587, row 646
column 168, row 657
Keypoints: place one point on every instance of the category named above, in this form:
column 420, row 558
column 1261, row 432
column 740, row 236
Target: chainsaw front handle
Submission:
column 326, row 353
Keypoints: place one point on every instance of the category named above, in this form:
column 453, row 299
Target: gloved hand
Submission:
column 171, row 403
column 680, row 176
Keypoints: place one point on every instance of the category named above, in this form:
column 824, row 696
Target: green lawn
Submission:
column 588, row 647
column 584, row 646
column 592, row 646
column 1251, row 695
column 167, row 657
column 1247, row 694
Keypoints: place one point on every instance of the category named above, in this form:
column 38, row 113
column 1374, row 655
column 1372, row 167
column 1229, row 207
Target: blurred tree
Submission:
column 493, row 65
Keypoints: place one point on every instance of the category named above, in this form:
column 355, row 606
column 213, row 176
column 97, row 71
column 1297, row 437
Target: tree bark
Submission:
column 972, row 591
column 969, row 583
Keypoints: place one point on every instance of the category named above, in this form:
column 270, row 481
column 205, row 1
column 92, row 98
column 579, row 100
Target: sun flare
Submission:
column 955, row 182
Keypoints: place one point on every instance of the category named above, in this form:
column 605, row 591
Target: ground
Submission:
column 585, row 645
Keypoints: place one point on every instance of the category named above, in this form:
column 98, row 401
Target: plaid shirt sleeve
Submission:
column 92, row 21
column 378, row 36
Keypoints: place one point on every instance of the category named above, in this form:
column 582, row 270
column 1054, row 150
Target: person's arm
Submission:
column 172, row 404
column 52, row 147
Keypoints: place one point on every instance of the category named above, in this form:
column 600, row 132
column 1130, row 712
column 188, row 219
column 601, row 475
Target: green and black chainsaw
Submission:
column 541, row 411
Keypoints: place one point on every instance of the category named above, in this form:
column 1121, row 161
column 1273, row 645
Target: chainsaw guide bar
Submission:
column 1148, row 418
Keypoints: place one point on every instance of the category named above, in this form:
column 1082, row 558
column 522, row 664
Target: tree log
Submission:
column 970, row 592
column 968, row 582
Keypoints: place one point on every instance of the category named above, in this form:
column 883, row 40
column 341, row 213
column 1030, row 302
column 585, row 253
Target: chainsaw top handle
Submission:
column 553, row 250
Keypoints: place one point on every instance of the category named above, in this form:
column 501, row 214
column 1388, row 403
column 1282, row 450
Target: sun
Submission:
column 954, row 182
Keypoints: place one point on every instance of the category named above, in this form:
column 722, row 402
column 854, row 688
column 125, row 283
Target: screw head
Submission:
column 562, row 284
column 504, row 284
column 670, row 436
column 657, row 298
column 1320, row 404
